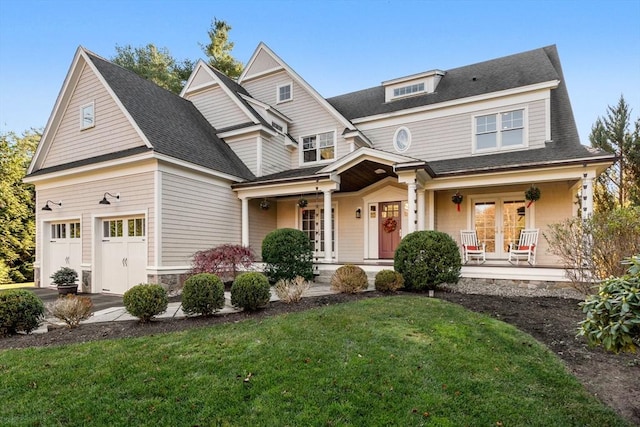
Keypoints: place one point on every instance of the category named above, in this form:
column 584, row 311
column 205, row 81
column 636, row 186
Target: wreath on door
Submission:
column 389, row 225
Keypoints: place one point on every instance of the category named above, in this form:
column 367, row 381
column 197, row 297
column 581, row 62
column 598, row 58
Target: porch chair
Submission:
column 471, row 248
column 525, row 249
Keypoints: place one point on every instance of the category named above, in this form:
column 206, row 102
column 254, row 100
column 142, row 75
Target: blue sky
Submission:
column 336, row 46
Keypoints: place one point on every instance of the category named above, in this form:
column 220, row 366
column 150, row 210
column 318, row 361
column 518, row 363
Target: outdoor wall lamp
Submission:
column 104, row 200
column 48, row 208
column 358, row 213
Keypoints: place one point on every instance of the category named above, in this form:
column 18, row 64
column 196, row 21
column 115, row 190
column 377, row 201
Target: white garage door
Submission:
column 62, row 248
column 123, row 254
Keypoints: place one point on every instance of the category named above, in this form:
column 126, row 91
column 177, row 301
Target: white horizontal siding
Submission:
column 196, row 215
column 112, row 131
column 275, row 156
column 218, row 108
column 247, row 151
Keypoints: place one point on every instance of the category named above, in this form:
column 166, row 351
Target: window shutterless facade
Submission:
column 319, row 147
column 498, row 131
column 284, row 92
column 87, row 116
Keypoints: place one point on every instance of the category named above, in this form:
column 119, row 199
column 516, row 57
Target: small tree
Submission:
column 287, row 253
column 593, row 248
column 225, row 261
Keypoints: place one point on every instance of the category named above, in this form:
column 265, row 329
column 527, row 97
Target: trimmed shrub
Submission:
column 427, row 259
column 349, row 279
column 71, row 309
column 225, row 261
column 250, row 291
column 20, row 311
column 287, row 253
column 202, row 294
column 145, row 301
column 388, row 281
column 290, row 291
column 613, row 316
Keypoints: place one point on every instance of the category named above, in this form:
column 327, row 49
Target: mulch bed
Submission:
column 614, row 379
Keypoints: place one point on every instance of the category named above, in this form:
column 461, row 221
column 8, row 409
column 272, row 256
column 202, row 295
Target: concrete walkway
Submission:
column 116, row 312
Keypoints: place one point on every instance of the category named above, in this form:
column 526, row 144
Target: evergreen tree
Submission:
column 219, row 50
column 154, row 64
column 17, row 201
column 619, row 185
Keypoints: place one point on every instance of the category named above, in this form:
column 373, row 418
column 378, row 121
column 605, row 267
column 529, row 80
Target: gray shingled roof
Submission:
column 527, row 68
column 173, row 125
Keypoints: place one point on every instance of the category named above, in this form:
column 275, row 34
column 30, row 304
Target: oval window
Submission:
column 402, row 139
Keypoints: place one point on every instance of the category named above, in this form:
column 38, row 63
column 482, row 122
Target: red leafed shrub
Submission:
column 225, row 261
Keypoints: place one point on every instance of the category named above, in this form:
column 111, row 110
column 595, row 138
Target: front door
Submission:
column 498, row 222
column 389, row 229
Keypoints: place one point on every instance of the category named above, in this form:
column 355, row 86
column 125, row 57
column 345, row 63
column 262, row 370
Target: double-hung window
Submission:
column 284, row 92
column 500, row 130
column 319, row 147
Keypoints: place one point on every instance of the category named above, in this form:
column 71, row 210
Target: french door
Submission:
column 498, row 222
column 313, row 226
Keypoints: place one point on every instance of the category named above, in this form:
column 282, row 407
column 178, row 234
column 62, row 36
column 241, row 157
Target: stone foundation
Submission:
column 36, row 277
column 85, row 282
column 173, row 283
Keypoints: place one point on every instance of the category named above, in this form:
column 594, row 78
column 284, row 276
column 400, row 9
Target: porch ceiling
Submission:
column 364, row 174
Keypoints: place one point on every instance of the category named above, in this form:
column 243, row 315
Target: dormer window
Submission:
column 284, row 92
column 408, row 90
column 87, row 116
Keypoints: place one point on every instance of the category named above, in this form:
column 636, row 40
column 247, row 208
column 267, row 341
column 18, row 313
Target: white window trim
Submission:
column 499, row 147
column 93, row 109
column 280, row 101
column 395, row 139
column 317, row 134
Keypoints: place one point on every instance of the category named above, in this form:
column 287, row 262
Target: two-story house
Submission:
column 135, row 179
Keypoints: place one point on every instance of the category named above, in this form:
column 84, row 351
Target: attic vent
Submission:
column 408, row 90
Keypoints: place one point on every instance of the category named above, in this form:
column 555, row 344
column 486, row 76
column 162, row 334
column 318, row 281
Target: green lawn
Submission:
column 397, row 361
column 16, row 285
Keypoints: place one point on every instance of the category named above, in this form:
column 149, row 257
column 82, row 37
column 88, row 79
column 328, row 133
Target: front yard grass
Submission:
column 396, row 361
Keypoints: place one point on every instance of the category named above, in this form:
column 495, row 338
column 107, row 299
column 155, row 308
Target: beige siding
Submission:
column 247, row 151
column 261, row 223
column 218, row 108
column 201, row 77
column 452, row 136
column 307, row 114
column 196, row 215
column 112, row 131
column 555, row 205
column 275, row 156
column 262, row 62
column 350, row 230
column 81, row 201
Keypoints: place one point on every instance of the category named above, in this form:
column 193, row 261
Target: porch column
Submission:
column 421, row 211
column 411, row 198
column 328, row 231
column 245, row 221
column 431, row 225
column 587, row 195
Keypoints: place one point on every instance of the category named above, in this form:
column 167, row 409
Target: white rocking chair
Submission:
column 471, row 248
column 525, row 250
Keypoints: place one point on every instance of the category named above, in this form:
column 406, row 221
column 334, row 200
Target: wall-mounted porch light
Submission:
column 46, row 207
column 104, row 200
column 358, row 213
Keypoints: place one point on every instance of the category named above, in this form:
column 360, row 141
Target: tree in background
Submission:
column 155, row 64
column 219, row 50
column 619, row 185
column 17, row 201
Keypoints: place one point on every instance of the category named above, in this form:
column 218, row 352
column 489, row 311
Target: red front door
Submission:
column 389, row 227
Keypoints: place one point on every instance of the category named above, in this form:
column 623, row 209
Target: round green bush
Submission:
column 427, row 259
column 145, row 301
column 20, row 311
column 388, row 281
column 349, row 279
column 250, row 291
column 202, row 294
column 287, row 253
